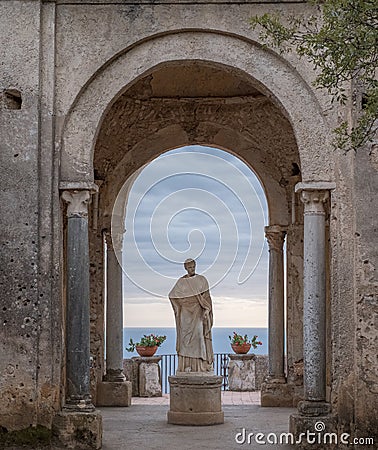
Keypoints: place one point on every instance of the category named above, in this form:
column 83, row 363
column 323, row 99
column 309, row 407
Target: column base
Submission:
column 114, row 393
column 77, row 430
column 195, row 399
column 79, row 405
column 312, row 432
column 114, row 375
column 314, row 409
column 275, row 393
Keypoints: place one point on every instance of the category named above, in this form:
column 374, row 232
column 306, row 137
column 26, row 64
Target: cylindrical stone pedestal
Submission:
column 242, row 373
column 195, row 399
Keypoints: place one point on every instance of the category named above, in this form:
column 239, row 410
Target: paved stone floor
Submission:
column 143, row 426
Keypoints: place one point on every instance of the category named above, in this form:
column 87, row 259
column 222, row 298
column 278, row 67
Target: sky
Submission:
column 201, row 203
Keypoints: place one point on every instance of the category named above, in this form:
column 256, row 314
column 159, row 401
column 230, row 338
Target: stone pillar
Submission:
column 78, row 417
column 114, row 390
column 314, row 196
column 314, row 320
column 77, row 312
column 275, row 236
column 114, row 310
column 275, row 391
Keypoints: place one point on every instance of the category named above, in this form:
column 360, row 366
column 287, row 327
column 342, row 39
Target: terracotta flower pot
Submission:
column 241, row 349
column 146, row 351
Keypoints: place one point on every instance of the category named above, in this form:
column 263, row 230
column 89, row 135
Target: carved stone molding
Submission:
column 314, row 201
column 275, row 235
column 77, row 203
column 314, row 195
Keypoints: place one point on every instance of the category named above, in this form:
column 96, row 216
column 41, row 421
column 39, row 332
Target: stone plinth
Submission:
column 144, row 373
column 313, row 432
column 114, row 393
column 195, row 399
column 149, row 378
column 77, row 430
column 242, row 372
column 277, row 394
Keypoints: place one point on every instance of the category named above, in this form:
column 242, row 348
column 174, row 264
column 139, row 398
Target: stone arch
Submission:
column 272, row 74
column 175, row 137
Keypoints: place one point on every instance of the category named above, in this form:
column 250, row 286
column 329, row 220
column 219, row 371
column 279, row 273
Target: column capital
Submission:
column 275, row 235
column 314, row 194
column 314, row 202
column 77, row 202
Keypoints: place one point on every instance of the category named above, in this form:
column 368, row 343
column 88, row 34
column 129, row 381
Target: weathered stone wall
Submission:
column 366, row 291
column 97, row 306
column 151, row 41
column 50, row 53
column 262, row 362
column 31, row 329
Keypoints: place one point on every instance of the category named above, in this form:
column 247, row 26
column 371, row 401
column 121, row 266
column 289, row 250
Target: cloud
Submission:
column 213, row 212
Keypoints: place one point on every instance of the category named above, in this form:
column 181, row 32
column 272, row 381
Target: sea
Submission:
column 221, row 341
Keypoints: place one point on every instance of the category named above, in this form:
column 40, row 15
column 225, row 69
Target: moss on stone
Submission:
column 32, row 437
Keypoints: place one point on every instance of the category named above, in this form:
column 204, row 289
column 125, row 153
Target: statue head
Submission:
column 190, row 266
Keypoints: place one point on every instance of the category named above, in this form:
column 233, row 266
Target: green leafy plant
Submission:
column 342, row 45
column 150, row 340
column 238, row 339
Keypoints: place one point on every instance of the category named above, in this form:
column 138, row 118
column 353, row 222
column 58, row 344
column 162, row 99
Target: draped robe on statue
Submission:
column 191, row 302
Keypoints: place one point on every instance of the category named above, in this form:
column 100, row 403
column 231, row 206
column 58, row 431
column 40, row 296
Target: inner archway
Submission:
column 177, row 192
column 221, row 108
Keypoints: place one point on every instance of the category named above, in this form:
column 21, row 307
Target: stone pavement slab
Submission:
column 145, row 427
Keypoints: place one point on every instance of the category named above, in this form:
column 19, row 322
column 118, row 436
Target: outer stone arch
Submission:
column 274, row 76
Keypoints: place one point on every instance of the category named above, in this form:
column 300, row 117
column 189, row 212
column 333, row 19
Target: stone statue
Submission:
column 191, row 302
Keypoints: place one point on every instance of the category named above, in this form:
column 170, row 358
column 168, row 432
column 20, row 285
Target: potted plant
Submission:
column 241, row 344
column 147, row 345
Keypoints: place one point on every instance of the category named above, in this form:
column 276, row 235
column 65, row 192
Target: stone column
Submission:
column 114, row 310
column 275, row 391
column 77, row 311
column 275, row 236
column 314, row 319
column 314, row 196
column 78, row 417
column 114, row 390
